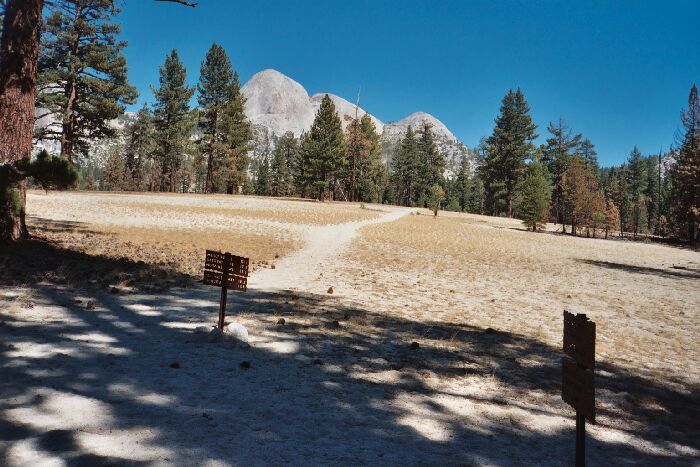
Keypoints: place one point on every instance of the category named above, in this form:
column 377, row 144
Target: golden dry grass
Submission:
column 488, row 272
column 174, row 230
column 179, row 250
column 194, row 206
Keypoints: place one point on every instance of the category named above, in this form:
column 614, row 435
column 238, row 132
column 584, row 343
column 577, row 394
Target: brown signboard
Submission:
column 233, row 282
column 228, row 272
column 214, row 261
column 579, row 339
column 578, row 389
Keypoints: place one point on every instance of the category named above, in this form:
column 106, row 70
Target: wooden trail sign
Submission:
column 578, row 388
column 228, row 272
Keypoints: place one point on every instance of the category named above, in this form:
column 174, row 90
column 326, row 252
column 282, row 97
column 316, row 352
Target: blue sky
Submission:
column 617, row 71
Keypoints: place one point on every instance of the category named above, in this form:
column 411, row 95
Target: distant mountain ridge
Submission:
column 275, row 103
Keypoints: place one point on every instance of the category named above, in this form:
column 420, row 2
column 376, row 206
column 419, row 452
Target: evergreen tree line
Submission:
column 82, row 86
column 561, row 181
column 325, row 162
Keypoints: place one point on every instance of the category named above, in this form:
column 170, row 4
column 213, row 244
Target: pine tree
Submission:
column 238, row 137
column 173, row 120
column 586, row 149
column 213, row 93
column 463, row 183
column 19, row 49
column 298, row 168
column 636, row 186
column 652, row 193
column 283, row 159
column 405, row 170
column 535, row 195
column 82, row 79
column 263, row 185
column 139, row 150
column 509, row 147
column 325, row 151
column 115, row 171
column 476, row 201
column 557, row 153
column 372, row 176
column 686, row 173
column 356, row 149
column 431, row 163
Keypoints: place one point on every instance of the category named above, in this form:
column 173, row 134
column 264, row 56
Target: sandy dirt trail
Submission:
column 323, row 246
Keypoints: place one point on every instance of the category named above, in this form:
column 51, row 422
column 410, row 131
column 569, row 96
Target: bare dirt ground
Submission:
column 100, row 364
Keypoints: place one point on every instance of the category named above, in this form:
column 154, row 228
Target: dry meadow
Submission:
column 377, row 335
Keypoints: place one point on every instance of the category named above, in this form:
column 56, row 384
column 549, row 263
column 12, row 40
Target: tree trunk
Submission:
column 68, row 130
column 19, row 51
column 210, row 158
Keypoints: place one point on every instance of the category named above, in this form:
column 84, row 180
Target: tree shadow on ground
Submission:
column 675, row 273
column 335, row 384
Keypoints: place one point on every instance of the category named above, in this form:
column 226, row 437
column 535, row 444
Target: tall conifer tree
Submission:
column 535, row 195
column 173, row 120
column 560, row 148
column 139, row 150
column 509, row 147
column 238, row 137
column 406, row 176
column 686, row 173
column 213, row 93
column 82, row 79
column 283, row 160
column 431, row 162
column 324, row 150
column 637, row 186
column 372, row 171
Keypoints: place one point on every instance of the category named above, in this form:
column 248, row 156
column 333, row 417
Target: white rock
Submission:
column 203, row 329
column 278, row 103
column 237, row 331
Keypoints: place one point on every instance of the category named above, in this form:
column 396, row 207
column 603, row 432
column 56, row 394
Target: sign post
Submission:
column 228, row 272
column 578, row 389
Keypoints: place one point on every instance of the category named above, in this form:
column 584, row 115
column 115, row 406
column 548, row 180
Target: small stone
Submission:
column 330, row 290
column 237, row 331
column 272, row 266
column 490, row 331
column 245, row 364
column 175, row 365
column 281, row 321
column 90, row 305
column 415, row 345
